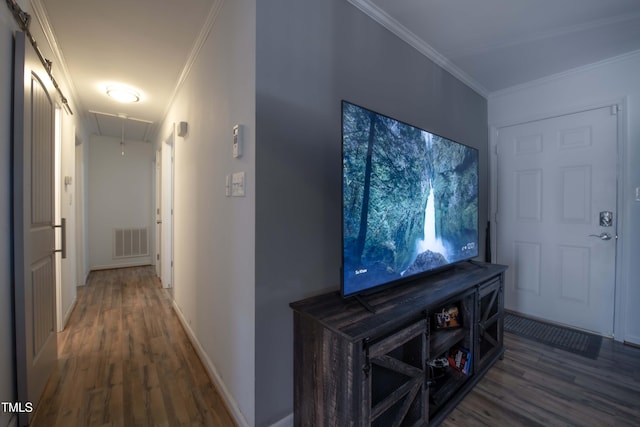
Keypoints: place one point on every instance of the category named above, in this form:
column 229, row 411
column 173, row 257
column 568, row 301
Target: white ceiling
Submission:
column 496, row 44
column 145, row 44
column 489, row 44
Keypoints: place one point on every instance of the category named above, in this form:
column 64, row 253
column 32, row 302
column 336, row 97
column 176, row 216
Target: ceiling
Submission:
column 144, row 44
column 488, row 44
column 495, row 44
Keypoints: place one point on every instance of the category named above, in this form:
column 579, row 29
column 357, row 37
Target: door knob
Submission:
column 602, row 236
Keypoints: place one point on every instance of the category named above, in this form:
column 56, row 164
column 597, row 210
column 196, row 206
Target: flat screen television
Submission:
column 409, row 201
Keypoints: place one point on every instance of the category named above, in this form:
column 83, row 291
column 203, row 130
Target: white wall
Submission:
column 120, row 196
column 82, row 194
column 78, row 190
column 214, row 235
column 68, row 211
column 606, row 82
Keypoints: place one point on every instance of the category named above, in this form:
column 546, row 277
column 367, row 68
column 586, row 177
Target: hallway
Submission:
column 125, row 360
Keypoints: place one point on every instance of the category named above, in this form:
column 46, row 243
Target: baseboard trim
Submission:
column 67, row 315
column 285, row 422
column 233, row 407
column 632, row 340
column 140, row 263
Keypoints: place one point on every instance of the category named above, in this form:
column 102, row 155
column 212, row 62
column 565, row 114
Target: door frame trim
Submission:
column 157, row 214
column 167, row 275
column 620, row 286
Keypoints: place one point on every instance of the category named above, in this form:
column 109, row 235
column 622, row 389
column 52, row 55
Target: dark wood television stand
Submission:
column 391, row 368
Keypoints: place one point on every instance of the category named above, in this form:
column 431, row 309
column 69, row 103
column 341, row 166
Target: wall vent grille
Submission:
column 130, row 242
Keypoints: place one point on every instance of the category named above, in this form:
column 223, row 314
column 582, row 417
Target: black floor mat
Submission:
column 578, row 342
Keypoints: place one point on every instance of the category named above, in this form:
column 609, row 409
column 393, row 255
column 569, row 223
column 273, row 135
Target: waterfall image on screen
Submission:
column 409, row 201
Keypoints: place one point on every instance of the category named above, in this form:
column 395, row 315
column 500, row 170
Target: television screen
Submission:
column 409, row 201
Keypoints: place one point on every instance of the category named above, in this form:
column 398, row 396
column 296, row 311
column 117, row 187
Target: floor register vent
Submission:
column 130, row 242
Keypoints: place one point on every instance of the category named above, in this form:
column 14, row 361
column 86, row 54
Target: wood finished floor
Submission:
column 537, row 385
column 124, row 360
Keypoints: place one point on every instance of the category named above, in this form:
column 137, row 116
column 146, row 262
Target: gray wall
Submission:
column 311, row 55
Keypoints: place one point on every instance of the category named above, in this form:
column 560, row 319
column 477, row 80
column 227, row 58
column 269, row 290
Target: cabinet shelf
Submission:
column 441, row 390
column 441, row 341
column 353, row 367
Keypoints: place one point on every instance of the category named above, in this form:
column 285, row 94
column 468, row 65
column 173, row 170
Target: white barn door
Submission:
column 557, row 219
column 34, row 260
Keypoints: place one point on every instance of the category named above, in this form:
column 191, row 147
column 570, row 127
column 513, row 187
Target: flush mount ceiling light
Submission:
column 123, row 94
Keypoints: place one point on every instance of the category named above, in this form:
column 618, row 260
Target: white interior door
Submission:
column 34, row 260
column 158, row 178
column 556, row 217
column 79, row 200
column 167, row 212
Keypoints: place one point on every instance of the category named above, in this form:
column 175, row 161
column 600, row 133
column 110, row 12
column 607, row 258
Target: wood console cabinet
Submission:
column 357, row 368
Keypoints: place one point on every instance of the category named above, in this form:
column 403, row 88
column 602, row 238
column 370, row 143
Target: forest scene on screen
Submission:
column 410, row 200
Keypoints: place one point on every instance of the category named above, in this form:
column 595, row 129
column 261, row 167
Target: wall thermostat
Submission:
column 237, row 141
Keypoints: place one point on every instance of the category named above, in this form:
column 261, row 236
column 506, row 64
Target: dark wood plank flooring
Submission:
column 537, row 385
column 125, row 360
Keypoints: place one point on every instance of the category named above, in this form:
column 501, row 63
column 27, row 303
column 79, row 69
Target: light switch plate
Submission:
column 237, row 184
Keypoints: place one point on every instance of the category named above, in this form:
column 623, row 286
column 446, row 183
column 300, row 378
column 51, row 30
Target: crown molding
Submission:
column 40, row 13
column 391, row 24
column 195, row 52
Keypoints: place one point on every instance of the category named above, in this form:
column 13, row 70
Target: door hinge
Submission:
column 157, row 257
column 614, row 109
